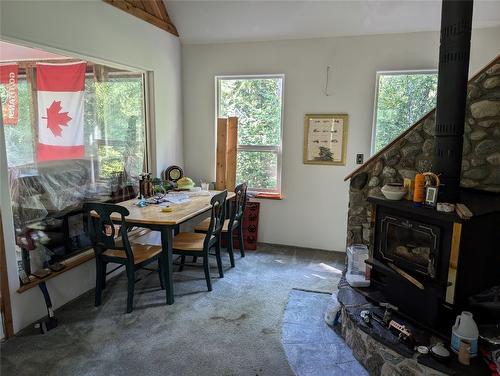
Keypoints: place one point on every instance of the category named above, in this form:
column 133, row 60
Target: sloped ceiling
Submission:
column 242, row 21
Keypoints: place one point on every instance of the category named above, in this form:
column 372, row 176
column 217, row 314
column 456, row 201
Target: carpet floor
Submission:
column 233, row 330
column 311, row 346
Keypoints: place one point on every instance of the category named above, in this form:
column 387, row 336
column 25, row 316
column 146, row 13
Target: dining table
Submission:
column 154, row 217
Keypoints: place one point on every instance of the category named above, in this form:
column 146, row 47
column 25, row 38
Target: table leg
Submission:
column 166, row 244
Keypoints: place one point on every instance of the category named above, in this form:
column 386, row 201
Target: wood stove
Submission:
column 412, row 244
column 429, row 263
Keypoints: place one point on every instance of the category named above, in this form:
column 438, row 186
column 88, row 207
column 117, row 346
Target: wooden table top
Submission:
column 152, row 214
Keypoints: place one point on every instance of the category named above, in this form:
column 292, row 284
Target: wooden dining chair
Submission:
column 199, row 245
column 112, row 247
column 234, row 223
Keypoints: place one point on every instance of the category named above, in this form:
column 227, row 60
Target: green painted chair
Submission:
column 234, row 223
column 199, row 245
column 110, row 247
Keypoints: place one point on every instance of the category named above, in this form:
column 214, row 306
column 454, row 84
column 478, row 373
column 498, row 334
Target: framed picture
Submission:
column 325, row 139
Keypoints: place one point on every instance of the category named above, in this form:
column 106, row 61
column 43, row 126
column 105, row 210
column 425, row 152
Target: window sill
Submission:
column 269, row 196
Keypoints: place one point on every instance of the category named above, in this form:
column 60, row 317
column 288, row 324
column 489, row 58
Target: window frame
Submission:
column 278, row 149
column 375, row 102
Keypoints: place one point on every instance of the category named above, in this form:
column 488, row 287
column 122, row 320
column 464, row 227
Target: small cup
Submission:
column 205, row 186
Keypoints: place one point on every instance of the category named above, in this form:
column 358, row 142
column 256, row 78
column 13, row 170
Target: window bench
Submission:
column 69, row 264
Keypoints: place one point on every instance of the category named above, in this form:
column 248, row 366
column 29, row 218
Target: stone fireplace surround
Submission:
column 379, row 350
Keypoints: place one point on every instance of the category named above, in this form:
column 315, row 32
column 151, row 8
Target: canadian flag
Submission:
column 60, row 89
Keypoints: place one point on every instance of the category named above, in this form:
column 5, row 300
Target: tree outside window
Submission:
column 402, row 98
column 257, row 102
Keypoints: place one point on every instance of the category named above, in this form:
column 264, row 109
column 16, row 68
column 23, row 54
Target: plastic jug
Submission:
column 465, row 329
column 356, row 274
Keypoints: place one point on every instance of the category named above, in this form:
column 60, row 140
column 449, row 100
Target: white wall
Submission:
column 313, row 212
column 99, row 32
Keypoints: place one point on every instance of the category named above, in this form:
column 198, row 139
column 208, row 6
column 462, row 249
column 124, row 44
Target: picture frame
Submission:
column 325, row 139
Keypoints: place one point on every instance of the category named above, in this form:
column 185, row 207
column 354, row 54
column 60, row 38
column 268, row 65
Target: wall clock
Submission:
column 173, row 173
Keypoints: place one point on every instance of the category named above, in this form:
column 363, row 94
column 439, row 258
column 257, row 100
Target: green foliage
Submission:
column 110, row 161
column 402, row 100
column 258, row 169
column 118, row 122
column 257, row 104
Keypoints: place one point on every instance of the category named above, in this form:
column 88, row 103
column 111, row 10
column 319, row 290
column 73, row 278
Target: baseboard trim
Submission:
column 291, row 247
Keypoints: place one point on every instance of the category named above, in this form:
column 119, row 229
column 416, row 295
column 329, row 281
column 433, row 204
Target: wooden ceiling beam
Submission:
column 160, row 8
column 148, row 7
column 131, row 8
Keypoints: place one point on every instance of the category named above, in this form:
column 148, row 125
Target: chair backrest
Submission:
column 217, row 216
column 238, row 207
column 101, row 228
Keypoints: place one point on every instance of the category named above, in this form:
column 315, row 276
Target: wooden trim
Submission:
column 157, row 8
column 5, row 305
column 220, row 169
column 232, row 149
column 33, row 107
column 384, row 149
column 134, row 10
column 69, row 264
column 453, row 263
column 494, row 61
column 388, row 146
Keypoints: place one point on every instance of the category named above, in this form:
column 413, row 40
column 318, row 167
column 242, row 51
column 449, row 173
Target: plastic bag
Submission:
column 332, row 310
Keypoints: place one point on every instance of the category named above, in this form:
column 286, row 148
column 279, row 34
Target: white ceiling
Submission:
column 207, row 21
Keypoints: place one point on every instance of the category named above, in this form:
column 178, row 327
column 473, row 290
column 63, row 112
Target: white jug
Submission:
column 465, row 329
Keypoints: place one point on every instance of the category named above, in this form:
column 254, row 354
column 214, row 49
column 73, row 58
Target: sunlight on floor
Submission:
column 329, row 268
column 318, row 276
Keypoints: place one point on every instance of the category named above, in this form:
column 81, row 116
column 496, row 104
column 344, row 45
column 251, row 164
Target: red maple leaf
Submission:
column 56, row 118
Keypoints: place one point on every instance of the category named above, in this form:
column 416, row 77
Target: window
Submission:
column 257, row 102
column 47, row 194
column 401, row 99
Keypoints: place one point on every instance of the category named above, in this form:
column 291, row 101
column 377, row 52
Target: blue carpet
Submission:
column 311, row 346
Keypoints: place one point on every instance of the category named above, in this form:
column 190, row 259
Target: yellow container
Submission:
column 419, row 190
column 409, row 184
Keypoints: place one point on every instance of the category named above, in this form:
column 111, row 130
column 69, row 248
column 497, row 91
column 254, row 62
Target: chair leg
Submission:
column 206, row 268
column 240, row 241
column 98, row 282
column 183, row 260
column 219, row 259
column 160, row 273
column 230, row 247
column 104, row 270
column 195, row 258
column 130, row 287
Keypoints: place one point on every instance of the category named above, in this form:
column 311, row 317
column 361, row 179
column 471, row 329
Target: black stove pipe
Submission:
column 454, row 53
